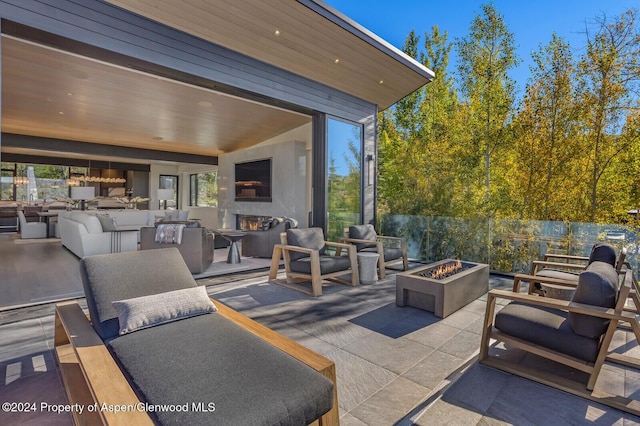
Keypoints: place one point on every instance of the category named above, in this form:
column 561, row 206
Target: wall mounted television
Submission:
column 253, row 180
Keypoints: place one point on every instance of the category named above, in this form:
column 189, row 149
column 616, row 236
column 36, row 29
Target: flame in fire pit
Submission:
column 446, row 269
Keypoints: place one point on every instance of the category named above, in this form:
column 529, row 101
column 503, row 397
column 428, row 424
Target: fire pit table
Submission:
column 442, row 287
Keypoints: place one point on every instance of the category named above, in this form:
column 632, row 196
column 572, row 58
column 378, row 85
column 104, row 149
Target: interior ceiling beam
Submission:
column 11, row 140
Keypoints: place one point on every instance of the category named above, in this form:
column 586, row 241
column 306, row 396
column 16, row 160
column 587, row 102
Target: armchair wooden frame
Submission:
column 380, row 239
column 92, row 376
column 293, row 278
column 621, row 262
column 587, row 390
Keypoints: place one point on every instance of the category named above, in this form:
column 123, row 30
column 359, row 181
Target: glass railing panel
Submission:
column 508, row 245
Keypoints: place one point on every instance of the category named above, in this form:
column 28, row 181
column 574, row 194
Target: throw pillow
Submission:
column 148, row 311
column 171, row 215
column 108, row 223
column 183, row 214
column 363, row 232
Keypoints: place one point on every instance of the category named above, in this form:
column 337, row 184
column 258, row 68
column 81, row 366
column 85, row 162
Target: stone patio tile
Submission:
column 434, row 335
column 22, row 338
column 461, row 319
column 391, row 403
column 462, row 345
column 547, row 406
column 433, row 369
column 382, row 316
column 447, row 414
column 476, row 306
column 397, row 355
column 357, row 378
column 477, row 388
column 350, row 420
column 335, row 331
column 416, row 320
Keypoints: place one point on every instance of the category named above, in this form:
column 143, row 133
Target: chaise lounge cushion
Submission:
column 107, row 278
column 165, row 365
column 156, row 309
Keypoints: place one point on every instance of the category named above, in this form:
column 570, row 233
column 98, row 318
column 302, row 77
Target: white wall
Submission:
column 288, row 183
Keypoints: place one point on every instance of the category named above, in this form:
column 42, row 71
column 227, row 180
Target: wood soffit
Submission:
column 305, row 37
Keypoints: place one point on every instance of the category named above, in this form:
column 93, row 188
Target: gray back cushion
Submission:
column 311, row 238
column 363, row 232
column 598, row 286
column 119, row 276
column 603, row 252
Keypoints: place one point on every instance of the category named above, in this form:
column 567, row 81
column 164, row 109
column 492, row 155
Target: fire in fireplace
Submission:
column 445, row 270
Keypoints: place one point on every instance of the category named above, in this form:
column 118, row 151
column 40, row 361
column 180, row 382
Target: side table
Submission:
column 368, row 267
column 233, row 237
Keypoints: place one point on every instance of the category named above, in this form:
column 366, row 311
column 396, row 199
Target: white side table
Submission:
column 368, row 267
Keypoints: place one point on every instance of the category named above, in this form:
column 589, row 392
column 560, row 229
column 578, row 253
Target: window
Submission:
column 203, row 189
column 33, row 182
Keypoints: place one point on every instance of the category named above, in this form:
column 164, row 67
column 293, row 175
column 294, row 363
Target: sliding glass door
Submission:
column 344, row 176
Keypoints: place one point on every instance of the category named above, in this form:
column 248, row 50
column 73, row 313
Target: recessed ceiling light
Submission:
column 61, row 112
column 80, row 75
column 157, row 138
column 381, row 82
column 337, row 61
column 205, row 104
column 277, row 33
column 69, row 94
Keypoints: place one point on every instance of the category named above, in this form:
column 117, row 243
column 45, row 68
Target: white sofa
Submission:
column 82, row 232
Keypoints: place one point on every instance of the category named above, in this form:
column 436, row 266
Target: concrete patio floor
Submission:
column 394, row 365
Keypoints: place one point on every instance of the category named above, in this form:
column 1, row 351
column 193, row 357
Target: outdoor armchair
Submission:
column 306, row 258
column 391, row 249
column 576, row 333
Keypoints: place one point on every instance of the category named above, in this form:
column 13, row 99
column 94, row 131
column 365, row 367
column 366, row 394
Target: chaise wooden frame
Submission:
column 294, row 278
column 588, row 391
column 379, row 242
column 91, row 375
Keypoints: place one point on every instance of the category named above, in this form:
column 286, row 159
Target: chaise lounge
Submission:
column 155, row 339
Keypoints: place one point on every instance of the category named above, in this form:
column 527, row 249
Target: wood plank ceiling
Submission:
column 55, row 94
column 310, row 40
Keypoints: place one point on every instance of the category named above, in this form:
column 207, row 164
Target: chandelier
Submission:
column 76, row 180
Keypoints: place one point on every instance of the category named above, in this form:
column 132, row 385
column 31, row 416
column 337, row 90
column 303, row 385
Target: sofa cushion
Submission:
column 148, row 311
column 210, row 359
column 545, row 327
column 598, row 286
column 90, row 222
column 106, row 278
column 131, row 218
column 108, row 223
column 363, row 232
column 311, row 238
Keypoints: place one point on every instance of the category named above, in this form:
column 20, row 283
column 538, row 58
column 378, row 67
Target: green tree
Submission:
column 611, row 70
column 547, row 135
column 485, row 57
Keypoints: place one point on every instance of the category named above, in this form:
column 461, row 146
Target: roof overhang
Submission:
column 305, row 37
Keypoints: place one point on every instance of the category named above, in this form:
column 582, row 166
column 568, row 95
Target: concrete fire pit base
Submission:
column 442, row 296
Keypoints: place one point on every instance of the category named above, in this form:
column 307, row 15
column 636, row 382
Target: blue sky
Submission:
column 531, row 22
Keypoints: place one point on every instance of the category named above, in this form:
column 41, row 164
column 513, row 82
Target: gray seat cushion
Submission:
column 328, row 264
column 598, row 286
column 188, row 361
column 311, row 238
column 390, row 253
column 545, row 327
column 108, row 277
column 363, row 232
